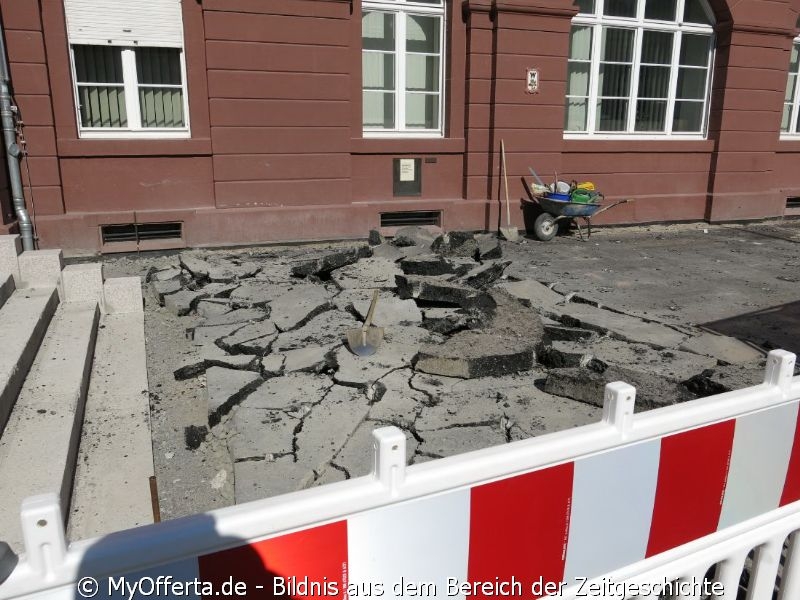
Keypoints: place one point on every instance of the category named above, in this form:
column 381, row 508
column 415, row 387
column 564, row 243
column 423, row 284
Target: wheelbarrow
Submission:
column 553, row 210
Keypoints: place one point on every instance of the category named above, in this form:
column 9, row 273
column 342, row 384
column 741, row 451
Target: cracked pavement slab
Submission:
column 309, row 423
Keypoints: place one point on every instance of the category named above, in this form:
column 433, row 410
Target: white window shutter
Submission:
column 125, row 22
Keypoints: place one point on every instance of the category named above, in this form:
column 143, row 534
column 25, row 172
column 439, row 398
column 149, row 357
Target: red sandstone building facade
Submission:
column 210, row 122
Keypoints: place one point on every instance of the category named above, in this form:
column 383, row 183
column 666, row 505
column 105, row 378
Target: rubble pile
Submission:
column 472, row 357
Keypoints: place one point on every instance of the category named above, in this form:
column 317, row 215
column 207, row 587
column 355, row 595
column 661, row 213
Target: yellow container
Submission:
column 586, row 185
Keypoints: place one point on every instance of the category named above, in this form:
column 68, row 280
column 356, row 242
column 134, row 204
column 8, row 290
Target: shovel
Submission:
column 365, row 340
column 508, row 232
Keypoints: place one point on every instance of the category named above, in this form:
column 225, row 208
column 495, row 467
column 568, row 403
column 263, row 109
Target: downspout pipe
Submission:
column 13, row 150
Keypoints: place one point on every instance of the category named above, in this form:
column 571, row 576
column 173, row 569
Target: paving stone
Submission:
column 587, row 385
column 262, row 434
column 485, row 275
column 325, row 329
column 458, row 440
column 559, row 354
column 413, row 236
column 219, row 290
column 250, row 338
column 311, row 358
column 395, row 253
column 329, row 474
column 367, row 273
column 512, row 402
column 722, row 347
column 398, row 349
column 207, row 336
column 289, row 391
column 183, row 302
column 225, row 388
column 390, row 311
column 471, row 354
column 166, row 274
column 357, row 455
column 211, row 356
column 720, row 379
column 240, row 315
column 432, row 265
column 539, row 297
column 674, row 364
column 444, row 321
column 197, row 267
column 212, row 308
column 506, row 345
column 296, row 307
column 557, row 332
column 332, row 260
column 624, row 327
column 258, row 293
column 456, row 243
column 164, row 288
column 397, row 403
column 329, row 425
column 375, row 238
column 438, row 289
column 272, row 365
column 255, row 480
column 489, row 247
column 227, row 271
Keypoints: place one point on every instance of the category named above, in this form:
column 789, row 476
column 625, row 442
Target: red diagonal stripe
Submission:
column 691, row 483
column 519, row 526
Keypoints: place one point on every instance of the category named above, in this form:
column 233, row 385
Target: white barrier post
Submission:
column 780, row 369
column 43, row 533
column 618, row 403
column 765, row 569
column 729, row 572
column 790, row 584
column 389, row 463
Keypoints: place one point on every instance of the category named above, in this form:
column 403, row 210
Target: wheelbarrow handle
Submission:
column 605, row 208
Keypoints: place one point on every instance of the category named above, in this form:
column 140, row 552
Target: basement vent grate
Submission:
column 793, row 202
column 137, row 232
column 416, row 217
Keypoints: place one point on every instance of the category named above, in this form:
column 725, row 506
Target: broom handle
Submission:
column 505, row 178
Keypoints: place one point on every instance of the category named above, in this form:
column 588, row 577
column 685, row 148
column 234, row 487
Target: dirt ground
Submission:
column 740, row 280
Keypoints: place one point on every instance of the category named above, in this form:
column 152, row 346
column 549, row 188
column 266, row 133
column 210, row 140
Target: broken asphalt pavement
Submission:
column 254, row 393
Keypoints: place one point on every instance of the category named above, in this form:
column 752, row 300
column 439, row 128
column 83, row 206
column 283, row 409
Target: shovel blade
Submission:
column 363, row 343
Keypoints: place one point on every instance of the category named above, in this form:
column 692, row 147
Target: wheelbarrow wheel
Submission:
column 545, row 227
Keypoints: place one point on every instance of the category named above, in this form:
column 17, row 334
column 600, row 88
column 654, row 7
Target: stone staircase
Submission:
column 74, row 412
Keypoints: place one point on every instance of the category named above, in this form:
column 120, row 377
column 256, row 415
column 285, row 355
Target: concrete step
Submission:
column 7, row 287
column 23, row 322
column 115, row 461
column 40, row 443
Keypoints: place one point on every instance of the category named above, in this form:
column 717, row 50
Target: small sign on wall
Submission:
column 407, row 170
column 407, row 177
column 532, row 81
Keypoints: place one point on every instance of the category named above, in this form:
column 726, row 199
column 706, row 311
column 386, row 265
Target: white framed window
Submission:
column 402, row 68
column 128, row 68
column 790, row 125
column 639, row 69
column 126, row 92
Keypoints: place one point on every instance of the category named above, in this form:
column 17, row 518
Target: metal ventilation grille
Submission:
column 417, row 217
column 793, row 202
column 136, row 232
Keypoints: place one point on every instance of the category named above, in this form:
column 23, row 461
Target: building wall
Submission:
column 277, row 154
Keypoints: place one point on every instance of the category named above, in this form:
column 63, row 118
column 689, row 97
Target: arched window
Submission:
column 639, row 68
column 790, row 124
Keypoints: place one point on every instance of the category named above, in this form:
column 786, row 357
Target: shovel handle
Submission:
column 371, row 311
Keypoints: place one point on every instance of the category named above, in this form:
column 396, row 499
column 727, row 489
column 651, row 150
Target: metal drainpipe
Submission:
column 12, row 149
